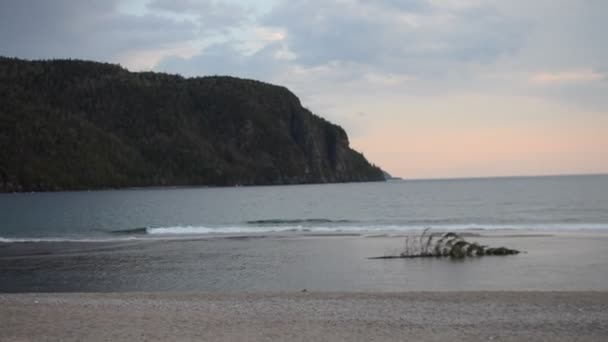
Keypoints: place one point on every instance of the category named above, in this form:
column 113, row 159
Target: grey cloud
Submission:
column 212, row 15
column 225, row 59
column 353, row 39
column 483, row 34
column 181, row 6
column 82, row 29
column 568, row 34
column 406, row 5
column 318, row 32
column 323, row 31
column 220, row 59
column 347, row 39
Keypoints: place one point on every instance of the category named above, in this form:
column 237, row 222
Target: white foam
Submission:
column 195, row 230
column 198, row 230
column 183, row 232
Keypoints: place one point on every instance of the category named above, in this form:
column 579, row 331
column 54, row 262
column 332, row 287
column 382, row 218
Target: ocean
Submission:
column 315, row 237
column 544, row 203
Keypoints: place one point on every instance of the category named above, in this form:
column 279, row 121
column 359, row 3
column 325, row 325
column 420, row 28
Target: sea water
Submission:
column 542, row 203
column 314, row 237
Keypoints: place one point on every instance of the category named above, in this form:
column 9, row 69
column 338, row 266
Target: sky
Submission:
column 424, row 88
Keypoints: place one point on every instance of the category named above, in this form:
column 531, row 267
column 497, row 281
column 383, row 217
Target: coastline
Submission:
column 309, row 316
column 178, row 187
column 214, row 186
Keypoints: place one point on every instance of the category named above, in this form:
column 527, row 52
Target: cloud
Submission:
column 328, row 52
column 211, row 15
column 417, row 37
column 566, row 77
column 367, row 44
column 148, row 59
column 406, row 64
column 228, row 59
column 83, row 29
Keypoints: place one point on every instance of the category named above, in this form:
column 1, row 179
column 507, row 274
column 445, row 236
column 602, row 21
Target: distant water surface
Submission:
column 315, row 237
column 551, row 203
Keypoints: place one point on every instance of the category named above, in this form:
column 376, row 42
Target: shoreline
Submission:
column 598, row 230
column 306, row 316
column 390, row 180
column 181, row 187
column 291, row 262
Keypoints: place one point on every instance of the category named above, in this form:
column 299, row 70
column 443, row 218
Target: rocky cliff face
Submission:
column 81, row 125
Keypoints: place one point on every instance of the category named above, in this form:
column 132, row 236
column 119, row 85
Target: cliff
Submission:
column 68, row 124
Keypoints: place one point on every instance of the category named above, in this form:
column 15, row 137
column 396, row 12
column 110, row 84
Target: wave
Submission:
column 185, row 232
column 296, row 221
column 202, row 230
column 195, row 230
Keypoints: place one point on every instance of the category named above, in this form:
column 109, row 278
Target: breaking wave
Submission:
column 297, row 221
column 193, row 230
column 276, row 228
column 329, row 227
column 286, row 226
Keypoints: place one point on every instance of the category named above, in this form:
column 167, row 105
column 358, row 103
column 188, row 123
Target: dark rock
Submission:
column 500, row 251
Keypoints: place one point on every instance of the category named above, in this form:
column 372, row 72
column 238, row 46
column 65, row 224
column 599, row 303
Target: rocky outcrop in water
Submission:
column 68, row 124
column 450, row 244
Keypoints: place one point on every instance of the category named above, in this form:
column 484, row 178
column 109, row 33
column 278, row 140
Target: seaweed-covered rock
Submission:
column 500, row 251
column 449, row 244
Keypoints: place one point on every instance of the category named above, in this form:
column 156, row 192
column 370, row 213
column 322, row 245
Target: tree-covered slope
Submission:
column 68, row 124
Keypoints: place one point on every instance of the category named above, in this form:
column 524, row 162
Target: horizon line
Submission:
column 506, row 176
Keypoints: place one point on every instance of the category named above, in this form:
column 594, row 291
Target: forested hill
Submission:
column 67, row 124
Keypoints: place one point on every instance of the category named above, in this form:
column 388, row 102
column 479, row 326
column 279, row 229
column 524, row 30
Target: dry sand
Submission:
column 409, row 316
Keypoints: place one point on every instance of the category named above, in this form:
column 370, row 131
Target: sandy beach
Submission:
column 408, row 316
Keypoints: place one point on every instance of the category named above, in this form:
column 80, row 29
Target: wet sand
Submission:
column 414, row 316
